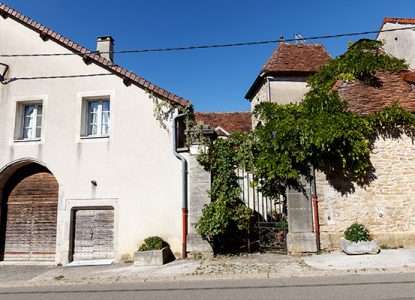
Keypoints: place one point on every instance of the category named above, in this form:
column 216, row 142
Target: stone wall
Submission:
column 199, row 184
column 261, row 95
column 386, row 206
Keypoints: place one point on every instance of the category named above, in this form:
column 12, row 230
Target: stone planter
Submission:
column 353, row 248
column 153, row 257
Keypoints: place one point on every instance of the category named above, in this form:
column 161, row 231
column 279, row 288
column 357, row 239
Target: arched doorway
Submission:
column 29, row 202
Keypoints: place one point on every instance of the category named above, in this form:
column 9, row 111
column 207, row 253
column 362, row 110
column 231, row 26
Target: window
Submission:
column 97, row 118
column 31, row 121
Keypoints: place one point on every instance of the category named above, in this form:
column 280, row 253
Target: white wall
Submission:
column 399, row 43
column 288, row 90
column 135, row 168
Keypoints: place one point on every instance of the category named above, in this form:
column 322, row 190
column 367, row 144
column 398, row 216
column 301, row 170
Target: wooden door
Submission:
column 30, row 214
column 93, row 234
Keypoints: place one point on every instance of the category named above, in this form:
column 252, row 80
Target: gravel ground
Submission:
column 221, row 267
column 252, row 264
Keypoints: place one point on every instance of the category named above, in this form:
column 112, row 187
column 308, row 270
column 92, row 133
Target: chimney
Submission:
column 105, row 44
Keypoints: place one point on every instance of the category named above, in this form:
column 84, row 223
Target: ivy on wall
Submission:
column 288, row 139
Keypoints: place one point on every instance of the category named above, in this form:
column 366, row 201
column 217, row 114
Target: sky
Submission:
column 213, row 79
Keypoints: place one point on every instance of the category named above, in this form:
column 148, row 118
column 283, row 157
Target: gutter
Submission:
column 184, row 185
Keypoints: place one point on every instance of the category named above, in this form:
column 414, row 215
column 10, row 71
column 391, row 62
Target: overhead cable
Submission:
column 208, row 46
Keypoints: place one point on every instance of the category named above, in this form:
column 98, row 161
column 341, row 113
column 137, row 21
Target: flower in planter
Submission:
column 153, row 243
column 357, row 233
column 153, row 252
column 357, row 241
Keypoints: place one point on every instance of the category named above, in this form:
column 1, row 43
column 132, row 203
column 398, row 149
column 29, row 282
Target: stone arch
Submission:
column 28, row 215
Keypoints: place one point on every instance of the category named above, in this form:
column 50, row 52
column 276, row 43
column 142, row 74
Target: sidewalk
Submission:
column 236, row 267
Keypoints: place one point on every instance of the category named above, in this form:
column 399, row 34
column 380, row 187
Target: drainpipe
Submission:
column 184, row 186
column 315, row 207
column 269, row 89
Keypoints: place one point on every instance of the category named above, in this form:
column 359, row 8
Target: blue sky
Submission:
column 213, row 79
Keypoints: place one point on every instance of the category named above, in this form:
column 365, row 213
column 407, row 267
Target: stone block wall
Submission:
column 386, row 206
column 199, row 184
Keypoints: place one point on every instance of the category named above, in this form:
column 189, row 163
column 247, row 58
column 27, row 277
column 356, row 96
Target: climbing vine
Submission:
column 163, row 112
column 288, row 139
column 226, row 219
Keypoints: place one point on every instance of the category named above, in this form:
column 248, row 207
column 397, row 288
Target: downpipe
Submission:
column 184, row 185
column 315, row 207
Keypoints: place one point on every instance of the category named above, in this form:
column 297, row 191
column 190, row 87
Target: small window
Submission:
column 97, row 118
column 31, row 121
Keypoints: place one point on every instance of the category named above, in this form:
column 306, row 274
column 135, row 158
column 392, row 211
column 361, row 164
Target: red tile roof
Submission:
column 398, row 20
column 127, row 76
column 306, row 58
column 291, row 59
column 392, row 88
column 228, row 121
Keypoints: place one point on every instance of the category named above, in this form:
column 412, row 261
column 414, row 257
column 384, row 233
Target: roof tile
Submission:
column 228, row 121
column 391, row 88
column 297, row 58
column 399, row 20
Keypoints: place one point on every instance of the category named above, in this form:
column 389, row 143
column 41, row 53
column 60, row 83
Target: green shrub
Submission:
column 357, row 233
column 152, row 243
column 282, row 225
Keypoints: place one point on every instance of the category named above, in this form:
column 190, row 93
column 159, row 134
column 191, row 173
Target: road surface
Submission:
column 379, row 286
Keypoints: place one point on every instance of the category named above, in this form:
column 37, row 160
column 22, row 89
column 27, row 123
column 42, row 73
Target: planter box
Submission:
column 153, row 257
column 368, row 247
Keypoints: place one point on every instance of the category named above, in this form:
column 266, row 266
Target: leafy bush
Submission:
column 356, row 233
column 282, row 225
column 152, row 243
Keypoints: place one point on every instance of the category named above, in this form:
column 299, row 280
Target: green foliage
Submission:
column 288, row 139
column 320, row 131
column 152, row 243
column 282, row 225
column 225, row 220
column 357, row 233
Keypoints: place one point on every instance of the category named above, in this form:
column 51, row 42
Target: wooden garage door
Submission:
column 93, row 234
column 30, row 213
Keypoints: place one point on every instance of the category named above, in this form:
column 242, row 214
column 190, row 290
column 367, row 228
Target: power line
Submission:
column 209, row 46
column 8, row 80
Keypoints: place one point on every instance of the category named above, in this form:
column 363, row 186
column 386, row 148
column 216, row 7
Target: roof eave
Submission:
column 254, row 87
column 260, row 78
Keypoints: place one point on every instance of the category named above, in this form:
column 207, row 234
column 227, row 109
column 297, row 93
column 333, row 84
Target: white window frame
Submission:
column 34, row 125
column 87, row 130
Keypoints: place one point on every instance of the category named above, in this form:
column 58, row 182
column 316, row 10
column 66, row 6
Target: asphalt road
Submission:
column 382, row 286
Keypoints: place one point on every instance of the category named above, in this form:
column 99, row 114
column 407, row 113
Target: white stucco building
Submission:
column 398, row 35
column 86, row 169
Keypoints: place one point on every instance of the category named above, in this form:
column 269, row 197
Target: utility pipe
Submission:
column 315, row 207
column 269, row 89
column 184, row 185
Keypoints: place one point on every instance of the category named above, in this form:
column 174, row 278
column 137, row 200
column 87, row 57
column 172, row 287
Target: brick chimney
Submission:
column 106, row 44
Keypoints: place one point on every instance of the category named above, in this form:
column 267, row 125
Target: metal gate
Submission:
column 267, row 233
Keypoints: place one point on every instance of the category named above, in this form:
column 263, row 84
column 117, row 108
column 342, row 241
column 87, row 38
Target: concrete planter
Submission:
column 153, row 257
column 353, row 248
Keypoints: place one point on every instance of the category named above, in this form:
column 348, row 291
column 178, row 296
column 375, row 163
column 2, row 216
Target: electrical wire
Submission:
column 209, row 46
column 8, row 80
